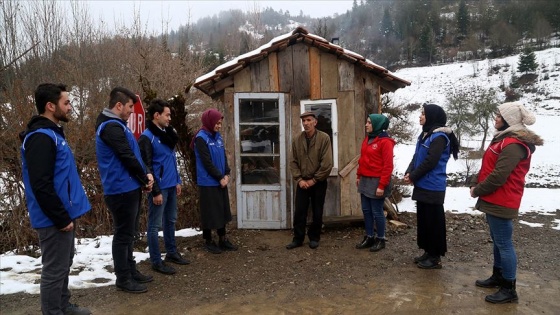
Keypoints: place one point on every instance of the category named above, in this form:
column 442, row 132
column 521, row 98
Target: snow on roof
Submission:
column 206, row 81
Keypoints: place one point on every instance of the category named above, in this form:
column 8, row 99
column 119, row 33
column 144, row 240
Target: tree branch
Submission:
column 18, row 57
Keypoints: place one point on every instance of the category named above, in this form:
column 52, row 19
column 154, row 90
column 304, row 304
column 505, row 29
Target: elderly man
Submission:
column 311, row 165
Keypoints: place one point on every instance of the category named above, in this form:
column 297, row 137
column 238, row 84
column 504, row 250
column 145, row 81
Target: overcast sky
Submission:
column 175, row 13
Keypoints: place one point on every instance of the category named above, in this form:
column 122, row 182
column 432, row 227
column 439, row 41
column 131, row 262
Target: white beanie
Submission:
column 514, row 113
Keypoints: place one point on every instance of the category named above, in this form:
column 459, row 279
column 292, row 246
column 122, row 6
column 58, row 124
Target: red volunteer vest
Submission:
column 508, row 195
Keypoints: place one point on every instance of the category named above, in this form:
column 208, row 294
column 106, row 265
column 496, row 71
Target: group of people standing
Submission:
column 56, row 198
column 498, row 186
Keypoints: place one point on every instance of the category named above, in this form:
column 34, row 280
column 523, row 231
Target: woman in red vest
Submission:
column 499, row 188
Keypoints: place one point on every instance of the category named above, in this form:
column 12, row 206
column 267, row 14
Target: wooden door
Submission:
column 260, row 155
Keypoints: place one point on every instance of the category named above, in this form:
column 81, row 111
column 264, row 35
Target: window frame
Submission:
column 334, row 125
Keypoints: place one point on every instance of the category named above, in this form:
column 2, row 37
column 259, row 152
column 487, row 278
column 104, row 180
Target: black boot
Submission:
column 378, row 245
column 431, row 262
column 211, row 247
column 493, row 282
column 366, row 242
column 226, row 245
column 506, row 293
column 420, row 258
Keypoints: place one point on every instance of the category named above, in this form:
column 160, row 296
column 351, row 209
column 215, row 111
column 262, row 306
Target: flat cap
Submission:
column 307, row 113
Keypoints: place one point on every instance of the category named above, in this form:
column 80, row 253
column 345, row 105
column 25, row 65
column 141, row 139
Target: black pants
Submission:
column 124, row 209
column 431, row 228
column 207, row 233
column 316, row 195
column 57, row 248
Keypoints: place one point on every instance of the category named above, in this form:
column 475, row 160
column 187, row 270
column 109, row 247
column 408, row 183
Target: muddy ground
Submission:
column 265, row 278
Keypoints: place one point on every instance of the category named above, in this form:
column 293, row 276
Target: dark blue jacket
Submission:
column 161, row 159
column 215, row 145
column 54, row 193
column 122, row 169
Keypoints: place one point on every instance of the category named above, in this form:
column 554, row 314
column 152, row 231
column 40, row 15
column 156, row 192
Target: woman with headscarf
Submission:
column 212, row 174
column 427, row 172
column 499, row 188
column 374, row 179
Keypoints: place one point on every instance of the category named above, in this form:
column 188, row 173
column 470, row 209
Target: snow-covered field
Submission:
column 20, row 273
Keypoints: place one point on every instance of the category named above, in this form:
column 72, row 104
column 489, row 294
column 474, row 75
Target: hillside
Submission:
column 433, row 84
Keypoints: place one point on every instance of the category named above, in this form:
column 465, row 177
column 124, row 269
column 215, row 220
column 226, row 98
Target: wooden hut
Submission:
column 262, row 94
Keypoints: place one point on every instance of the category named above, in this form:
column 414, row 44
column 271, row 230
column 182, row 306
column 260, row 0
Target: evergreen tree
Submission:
column 426, row 39
column 527, row 61
column 463, row 19
column 386, row 23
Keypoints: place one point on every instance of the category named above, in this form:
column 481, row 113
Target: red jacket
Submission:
column 376, row 160
column 508, row 195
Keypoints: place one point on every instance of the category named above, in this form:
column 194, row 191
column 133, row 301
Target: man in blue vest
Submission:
column 54, row 194
column 123, row 175
column 157, row 145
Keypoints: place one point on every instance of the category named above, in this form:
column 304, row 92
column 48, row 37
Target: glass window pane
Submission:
column 324, row 115
column 254, row 110
column 260, row 170
column 259, row 138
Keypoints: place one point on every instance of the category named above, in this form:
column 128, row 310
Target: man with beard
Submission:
column 157, row 145
column 123, row 174
column 54, row 194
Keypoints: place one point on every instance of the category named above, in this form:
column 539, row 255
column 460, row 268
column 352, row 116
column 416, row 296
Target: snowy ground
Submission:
column 20, row 273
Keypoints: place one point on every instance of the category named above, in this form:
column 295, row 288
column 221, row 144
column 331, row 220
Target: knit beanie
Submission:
column 514, row 113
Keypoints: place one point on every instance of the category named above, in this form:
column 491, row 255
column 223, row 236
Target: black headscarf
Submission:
column 436, row 118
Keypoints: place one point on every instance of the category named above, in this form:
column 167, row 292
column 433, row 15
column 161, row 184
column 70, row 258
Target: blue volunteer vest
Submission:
column 164, row 162
column 217, row 152
column 114, row 176
column 66, row 182
column 436, row 179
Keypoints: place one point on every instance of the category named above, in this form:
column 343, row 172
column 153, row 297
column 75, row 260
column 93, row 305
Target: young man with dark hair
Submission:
column 48, row 169
column 157, row 145
column 123, row 175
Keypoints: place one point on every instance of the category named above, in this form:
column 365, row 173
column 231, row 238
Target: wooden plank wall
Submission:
column 243, row 81
column 300, row 59
column 285, row 70
column 314, row 73
column 329, row 76
column 346, row 76
column 273, row 72
column 346, row 147
column 228, row 133
column 260, row 78
column 371, row 104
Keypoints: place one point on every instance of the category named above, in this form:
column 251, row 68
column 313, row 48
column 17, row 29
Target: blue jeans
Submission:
column 373, row 214
column 501, row 231
column 165, row 214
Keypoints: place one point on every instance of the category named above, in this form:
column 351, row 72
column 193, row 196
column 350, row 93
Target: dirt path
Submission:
column 265, row 278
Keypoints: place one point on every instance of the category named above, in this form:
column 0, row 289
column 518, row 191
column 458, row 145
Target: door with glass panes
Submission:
column 260, row 155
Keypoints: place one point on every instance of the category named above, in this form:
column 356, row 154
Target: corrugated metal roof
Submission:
column 206, row 83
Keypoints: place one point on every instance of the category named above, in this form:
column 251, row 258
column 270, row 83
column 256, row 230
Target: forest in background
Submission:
column 40, row 41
